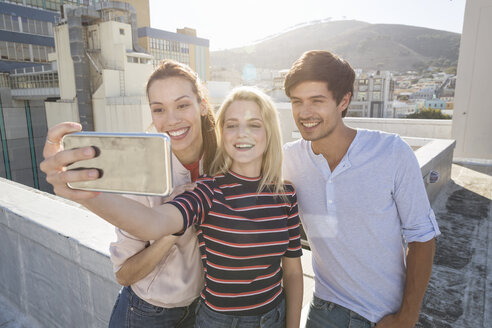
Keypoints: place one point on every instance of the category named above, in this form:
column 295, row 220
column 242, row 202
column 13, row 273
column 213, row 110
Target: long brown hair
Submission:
column 170, row 68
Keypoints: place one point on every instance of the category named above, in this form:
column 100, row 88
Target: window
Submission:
column 122, row 31
column 8, row 23
column 43, row 54
column 25, row 27
column 31, row 26
column 39, row 29
column 11, row 50
column 44, row 28
column 15, row 24
column 26, row 53
column 50, row 29
column 3, row 50
column 35, row 51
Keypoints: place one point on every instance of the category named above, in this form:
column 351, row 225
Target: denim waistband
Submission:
column 139, row 300
column 352, row 314
column 280, row 307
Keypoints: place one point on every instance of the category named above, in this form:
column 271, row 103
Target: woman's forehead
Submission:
column 243, row 109
column 171, row 88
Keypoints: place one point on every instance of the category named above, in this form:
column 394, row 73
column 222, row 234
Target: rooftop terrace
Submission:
column 56, row 272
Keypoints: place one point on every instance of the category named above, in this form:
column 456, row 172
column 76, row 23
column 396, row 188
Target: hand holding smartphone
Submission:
column 132, row 163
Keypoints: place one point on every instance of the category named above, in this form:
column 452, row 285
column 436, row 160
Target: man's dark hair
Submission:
column 323, row 66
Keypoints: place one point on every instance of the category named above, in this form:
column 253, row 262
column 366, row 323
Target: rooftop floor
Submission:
column 460, row 290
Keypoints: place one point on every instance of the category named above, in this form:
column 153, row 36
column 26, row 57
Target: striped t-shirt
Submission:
column 243, row 236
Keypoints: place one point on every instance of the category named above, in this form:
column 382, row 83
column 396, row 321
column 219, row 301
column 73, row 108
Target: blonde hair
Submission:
column 271, row 166
column 169, row 68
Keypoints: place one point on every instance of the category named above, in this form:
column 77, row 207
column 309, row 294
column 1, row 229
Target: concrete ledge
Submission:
column 55, row 262
column 434, row 155
column 405, row 127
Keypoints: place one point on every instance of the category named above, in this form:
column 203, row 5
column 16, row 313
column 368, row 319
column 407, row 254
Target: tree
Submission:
column 430, row 114
column 450, row 70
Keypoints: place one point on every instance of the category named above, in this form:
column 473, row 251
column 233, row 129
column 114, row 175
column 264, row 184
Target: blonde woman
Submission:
column 246, row 218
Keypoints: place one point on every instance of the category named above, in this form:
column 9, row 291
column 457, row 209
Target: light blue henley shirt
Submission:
column 358, row 217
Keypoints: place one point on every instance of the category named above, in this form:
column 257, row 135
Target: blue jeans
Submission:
column 207, row 318
column 130, row 311
column 324, row 314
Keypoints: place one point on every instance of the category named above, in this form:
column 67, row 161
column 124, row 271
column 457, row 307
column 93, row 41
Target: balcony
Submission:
column 38, row 82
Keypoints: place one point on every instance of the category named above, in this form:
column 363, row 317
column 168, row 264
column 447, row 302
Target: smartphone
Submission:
column 130, row 163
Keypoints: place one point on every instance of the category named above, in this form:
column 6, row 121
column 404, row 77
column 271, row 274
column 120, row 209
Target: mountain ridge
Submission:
column 368, row 46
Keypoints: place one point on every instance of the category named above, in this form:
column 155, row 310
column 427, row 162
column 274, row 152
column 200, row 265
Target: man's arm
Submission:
column 419, row 268
column 142, row 263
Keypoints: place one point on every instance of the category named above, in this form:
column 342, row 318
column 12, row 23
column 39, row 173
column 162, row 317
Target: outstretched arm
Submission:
column 419, row 269
column 126, row 214
column 141, row 221
column 293, row 286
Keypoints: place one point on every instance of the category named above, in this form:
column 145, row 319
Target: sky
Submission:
column 230, row 23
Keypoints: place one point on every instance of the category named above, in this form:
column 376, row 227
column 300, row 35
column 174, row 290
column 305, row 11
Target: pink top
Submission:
column 178, row 278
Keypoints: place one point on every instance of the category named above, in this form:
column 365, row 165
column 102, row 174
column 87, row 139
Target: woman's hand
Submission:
column 56, row 160
column 179, row 190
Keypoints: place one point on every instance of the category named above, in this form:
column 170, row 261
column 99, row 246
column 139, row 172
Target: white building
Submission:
column 402, row 109
column 373, row 95
column 112, row 79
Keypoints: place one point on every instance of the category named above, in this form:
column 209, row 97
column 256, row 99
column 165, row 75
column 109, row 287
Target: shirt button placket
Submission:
column 329, row 193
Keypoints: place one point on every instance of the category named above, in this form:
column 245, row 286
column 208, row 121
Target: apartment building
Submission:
column 103, row 88
column 373, row 95
column 183, row 46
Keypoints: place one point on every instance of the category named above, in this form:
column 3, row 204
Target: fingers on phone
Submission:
column 55, row 135
column 60, row 181
column 67, row 157
column 82, row 174
column 62, row 178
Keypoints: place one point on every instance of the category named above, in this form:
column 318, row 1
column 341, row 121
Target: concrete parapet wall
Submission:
column 435, row 155
column 55, row 265
column 439, row 129
column 420, row 128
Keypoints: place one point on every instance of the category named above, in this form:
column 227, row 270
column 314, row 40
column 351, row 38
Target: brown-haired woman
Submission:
column 163, row 278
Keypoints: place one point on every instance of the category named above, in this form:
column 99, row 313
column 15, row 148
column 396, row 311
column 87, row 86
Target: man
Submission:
column 361, row 197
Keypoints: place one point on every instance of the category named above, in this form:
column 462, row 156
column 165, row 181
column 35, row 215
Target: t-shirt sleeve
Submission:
column 194, row 205
column 294, row 249
column 417, row 217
